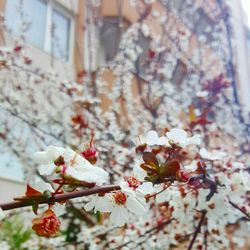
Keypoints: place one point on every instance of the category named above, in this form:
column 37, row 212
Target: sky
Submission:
column 246, row 6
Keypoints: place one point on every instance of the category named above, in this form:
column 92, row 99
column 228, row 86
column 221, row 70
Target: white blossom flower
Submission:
column 119, row 204
column 41, row 186
column 47, row 158
column 80, row 169
column 73, row 165
column 133, row 185
column 179, row 137
column 214, row 155
column 138, row 172
column 152, row 139
column 240, row 181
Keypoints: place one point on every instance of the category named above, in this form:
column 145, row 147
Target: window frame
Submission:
column 47, row 42
column 53, row 5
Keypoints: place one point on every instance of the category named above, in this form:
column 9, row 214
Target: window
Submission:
column 27, row 19
column 60, row 37
column 180, row 73
column 109, row 37
column 42, row 23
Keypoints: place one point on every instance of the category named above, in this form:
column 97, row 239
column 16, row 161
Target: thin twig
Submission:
column 151, row 230
column 240, row 209
column 198, row 229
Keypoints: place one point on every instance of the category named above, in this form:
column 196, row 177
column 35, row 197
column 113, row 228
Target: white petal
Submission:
column 146, row 188
column 152, row 138
column 102, row 175
column 41, row 157
column 135, row 206
column 79, row 175
column 81, row 162
column 41, row 186
column 46, row 169
column 163, row 141
column 91, row 204
column 177, row 135
column 124, row 186
column 119, row 216
column 138, row 172
column 104, row 204
column 54, row 152
column 194, row 140
column 69, row 156
column 214, row 155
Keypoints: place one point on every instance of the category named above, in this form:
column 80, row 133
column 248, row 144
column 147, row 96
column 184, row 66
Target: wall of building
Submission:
column 241, row 53
column 10, row 189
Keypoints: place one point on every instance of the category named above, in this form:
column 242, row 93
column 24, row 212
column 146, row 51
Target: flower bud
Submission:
column 90, row 153
column 47, row 225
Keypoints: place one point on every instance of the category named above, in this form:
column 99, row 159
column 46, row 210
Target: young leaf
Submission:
column 35, row 206
column 151, row 160
column 31, row 192
column 169, row 169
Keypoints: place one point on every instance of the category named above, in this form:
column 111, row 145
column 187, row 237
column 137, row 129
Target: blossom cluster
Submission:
column 171, row 183
column 174, row 178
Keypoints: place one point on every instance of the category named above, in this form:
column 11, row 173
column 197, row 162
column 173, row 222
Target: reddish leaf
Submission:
column 148, row 168
column 169, row 169
column 151, row 160
column 31, row 192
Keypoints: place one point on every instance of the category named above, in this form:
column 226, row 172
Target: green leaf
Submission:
column 35, row 206
column 154, row 179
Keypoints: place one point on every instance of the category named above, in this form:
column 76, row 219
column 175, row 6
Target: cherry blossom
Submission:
column 46, row 159
column 214, row 155
column 120, row 204
column 132, row 184
column 41, row 186
column 152, row 139
column 180, row 137
column 215, row 192
column 70, row 165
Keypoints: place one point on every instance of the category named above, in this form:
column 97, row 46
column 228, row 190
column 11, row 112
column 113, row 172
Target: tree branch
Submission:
column 197, row 230
column 240, row 209
column 62, row 197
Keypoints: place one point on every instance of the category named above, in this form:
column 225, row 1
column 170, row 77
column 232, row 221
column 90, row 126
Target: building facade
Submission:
column 61, row 36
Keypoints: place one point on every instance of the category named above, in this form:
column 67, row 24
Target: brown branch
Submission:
column 198, row 229
column 61, row 197
column 240, row 209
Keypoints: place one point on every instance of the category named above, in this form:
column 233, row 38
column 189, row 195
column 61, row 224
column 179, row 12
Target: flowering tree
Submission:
column 178, row 184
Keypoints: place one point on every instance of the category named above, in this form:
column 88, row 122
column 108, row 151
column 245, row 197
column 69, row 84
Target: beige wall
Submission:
column 10, row 189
